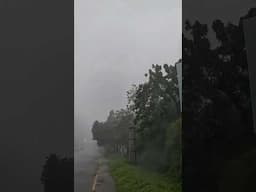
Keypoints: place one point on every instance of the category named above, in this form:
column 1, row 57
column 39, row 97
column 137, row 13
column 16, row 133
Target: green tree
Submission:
column 155, row 104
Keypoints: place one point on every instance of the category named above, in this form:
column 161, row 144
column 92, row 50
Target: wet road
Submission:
column 85, row 166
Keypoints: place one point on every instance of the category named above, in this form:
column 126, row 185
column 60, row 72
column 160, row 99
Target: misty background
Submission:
column 116, row 42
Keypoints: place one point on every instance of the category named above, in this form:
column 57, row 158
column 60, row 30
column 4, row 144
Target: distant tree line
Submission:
column 217, row 114
column 153, row 109
column 113, row 133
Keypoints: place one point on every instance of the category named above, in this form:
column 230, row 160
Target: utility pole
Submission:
column 132, row 145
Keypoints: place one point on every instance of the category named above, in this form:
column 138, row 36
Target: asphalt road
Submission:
column 85, row 166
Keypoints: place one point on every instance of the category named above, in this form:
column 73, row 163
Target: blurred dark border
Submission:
column 219, row 144
column 37, row 89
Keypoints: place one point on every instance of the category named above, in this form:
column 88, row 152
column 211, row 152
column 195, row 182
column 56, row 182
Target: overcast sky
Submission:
column 116, row 42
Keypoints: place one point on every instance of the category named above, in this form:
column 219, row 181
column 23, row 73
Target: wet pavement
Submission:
column 104, row 181
column 86, row 164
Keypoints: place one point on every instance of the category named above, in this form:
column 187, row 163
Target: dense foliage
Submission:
column 156, row 106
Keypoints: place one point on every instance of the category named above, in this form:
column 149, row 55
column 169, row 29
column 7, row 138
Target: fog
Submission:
column 116, row 42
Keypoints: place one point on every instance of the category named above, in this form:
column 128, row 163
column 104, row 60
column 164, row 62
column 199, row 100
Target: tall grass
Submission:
column 130, row 178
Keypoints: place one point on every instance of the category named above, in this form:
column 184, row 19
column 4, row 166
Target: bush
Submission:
column 132, row 178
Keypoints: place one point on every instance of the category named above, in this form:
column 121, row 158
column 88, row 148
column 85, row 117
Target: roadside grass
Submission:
column 130, row 178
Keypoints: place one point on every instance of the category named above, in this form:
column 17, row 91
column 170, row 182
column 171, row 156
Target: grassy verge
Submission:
column 129, row 178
